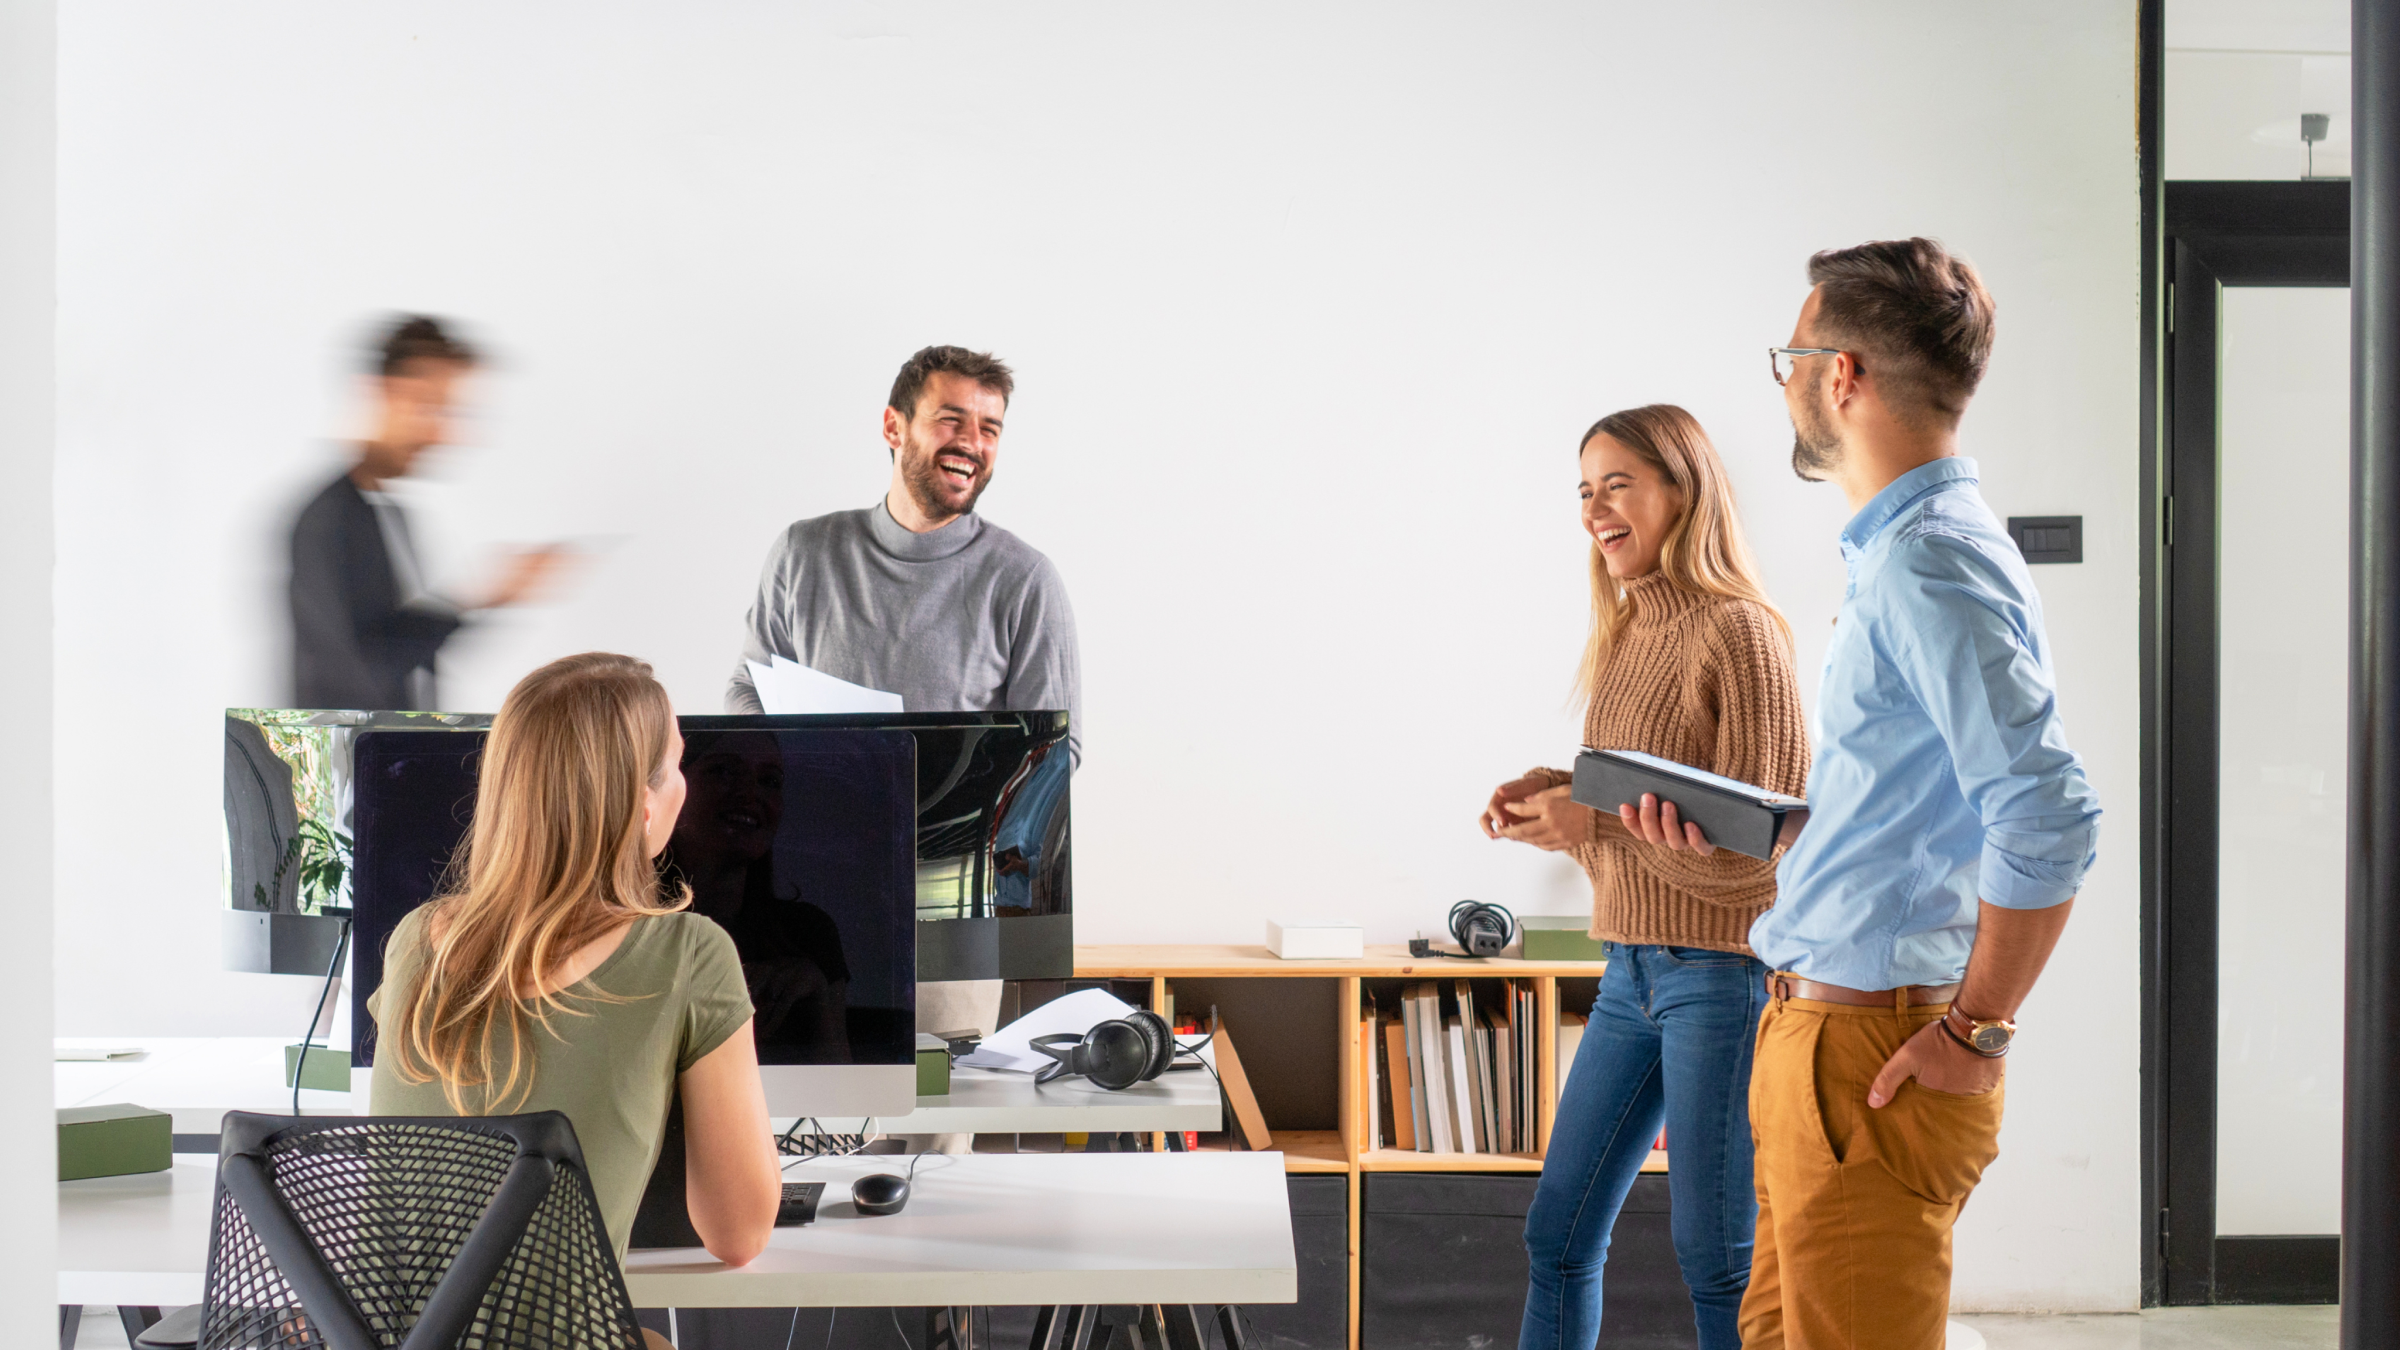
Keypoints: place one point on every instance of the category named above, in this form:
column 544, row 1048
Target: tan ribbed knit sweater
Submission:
column 1705, row 681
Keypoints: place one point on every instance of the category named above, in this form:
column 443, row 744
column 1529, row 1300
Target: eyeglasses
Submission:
column 1779, row 359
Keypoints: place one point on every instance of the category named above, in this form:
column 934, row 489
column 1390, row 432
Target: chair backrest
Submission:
column 409, row 1233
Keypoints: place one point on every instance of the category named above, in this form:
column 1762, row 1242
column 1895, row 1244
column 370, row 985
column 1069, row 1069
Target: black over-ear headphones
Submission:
column 1115, row 1054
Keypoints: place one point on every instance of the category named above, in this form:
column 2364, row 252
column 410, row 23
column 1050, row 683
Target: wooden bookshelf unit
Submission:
column 1342, row 1150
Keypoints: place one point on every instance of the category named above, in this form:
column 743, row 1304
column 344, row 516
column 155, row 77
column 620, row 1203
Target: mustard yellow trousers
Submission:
column 1855, row 1204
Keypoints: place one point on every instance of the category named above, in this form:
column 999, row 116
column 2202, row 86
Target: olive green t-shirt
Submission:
column 609, row 1065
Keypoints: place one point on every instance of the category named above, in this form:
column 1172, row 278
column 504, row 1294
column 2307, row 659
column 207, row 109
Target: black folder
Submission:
column 1735, row 815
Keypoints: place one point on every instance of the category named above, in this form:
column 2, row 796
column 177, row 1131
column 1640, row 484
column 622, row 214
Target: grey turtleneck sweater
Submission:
column 968, row 618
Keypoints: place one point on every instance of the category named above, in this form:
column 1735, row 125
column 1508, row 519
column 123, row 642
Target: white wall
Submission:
column 1309, row 306
column 28, row 314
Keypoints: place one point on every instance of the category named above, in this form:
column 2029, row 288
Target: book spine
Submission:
column 1462, row 1101
column 1420, row 1066
column 1404, row 1109
column 1372, row 1123
column 1478, row 1083
column 1529, row 1039
column 1570, row 1039
column 1504, row 1039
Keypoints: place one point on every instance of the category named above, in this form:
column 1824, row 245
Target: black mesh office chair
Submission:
column 392, row 1233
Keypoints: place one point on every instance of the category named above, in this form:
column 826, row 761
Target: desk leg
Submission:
column 1064, row 1327
column 70, row 1321
column 1182, row 1322
column 1229, row 1320
column 1124, row 1322
column 136, row 1321
column 949, row 1329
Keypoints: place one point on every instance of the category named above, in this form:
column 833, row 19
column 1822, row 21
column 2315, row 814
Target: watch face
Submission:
column 1992, row 1037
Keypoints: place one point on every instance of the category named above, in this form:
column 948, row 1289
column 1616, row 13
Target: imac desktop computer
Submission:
column 801, row 842
column 995, row 893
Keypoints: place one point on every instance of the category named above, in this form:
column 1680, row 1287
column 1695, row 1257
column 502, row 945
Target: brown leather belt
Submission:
column 1783, row 985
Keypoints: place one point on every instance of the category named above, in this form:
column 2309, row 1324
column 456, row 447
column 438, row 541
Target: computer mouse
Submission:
column 879, row 1193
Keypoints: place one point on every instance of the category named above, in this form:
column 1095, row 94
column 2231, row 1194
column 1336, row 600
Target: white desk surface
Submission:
column 978, row 1229
column 1013, row 1229
column 198, row 1079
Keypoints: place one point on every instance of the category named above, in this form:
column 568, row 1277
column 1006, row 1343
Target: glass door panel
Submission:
column 2283, row 550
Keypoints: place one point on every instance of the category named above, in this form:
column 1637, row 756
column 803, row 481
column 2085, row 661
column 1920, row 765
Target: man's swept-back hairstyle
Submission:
column 1704, row 551
column 982, row 367
column 556, row 859
column 417, row 337
column 1916, row 313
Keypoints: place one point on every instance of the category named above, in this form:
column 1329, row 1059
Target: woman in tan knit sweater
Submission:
column 1688, row 661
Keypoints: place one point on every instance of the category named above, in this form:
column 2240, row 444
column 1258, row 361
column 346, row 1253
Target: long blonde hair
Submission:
column 1704, row 550
column 555, row 861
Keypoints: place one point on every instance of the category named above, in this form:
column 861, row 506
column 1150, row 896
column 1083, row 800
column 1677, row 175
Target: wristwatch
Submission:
column 1988, row 1039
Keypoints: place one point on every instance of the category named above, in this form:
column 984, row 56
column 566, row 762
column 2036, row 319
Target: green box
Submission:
column 113, row 1141
column 328, row 1070
column 933, row 1066
column 1560, row 937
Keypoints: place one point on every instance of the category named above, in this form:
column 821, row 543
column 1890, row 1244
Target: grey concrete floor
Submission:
column 2164, row 1329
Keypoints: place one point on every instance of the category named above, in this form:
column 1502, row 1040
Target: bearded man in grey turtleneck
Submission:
column 917, row 595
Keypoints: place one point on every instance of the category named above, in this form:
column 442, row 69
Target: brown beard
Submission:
column 1816, row 450
column 925, row 481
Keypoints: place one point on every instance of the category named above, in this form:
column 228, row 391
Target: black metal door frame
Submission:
column 2212, row 235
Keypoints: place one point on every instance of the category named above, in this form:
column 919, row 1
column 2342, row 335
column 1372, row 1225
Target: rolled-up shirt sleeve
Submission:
column 1970, row 646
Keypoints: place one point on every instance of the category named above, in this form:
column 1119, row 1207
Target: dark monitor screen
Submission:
column 995, row 843
column 800, row 842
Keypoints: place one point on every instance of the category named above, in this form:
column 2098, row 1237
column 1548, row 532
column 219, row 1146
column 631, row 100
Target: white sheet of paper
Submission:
column 1011, row 1046
column 786, row 686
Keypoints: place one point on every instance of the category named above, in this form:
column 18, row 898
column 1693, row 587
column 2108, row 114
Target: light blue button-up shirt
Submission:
column 1942, row 775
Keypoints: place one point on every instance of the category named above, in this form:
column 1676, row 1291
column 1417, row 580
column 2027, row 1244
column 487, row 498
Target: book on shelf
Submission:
column 1504, row 1073
column 1454, row 1069
column 1248, row 1121
column 1424, row 1068
column 1376, row 1128
column 1397, row 1088
column 1529, row 1087
column 1478, row 1065
column 1570, row 1039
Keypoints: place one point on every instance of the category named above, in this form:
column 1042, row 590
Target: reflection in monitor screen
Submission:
column 801, row 843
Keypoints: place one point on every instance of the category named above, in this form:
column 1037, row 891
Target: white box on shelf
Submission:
column 1316, row 939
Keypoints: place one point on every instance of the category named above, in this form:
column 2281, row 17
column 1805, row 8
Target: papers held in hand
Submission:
column 1735, row 815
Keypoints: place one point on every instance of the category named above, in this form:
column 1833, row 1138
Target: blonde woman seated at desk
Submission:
column 555, row 976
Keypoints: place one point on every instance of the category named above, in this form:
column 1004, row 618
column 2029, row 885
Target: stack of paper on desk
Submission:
column 786, row 686
column 1011, row 1047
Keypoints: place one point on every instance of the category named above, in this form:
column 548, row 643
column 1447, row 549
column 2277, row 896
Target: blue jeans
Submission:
column 1669, row 1041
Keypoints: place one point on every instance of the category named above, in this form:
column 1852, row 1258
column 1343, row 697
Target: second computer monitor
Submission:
column 801, row 843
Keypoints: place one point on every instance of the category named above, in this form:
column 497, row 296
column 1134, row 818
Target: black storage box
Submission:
column 1443, row 1265
column 1321, row 1249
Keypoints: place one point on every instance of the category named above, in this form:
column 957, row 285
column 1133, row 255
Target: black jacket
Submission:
column 353, row 642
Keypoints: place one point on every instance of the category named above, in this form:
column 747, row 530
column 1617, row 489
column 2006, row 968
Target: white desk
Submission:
column 1023, row 1228
column 199, row 1078
column 979, row 1229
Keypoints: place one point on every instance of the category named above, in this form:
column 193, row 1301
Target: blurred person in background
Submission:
column 366, row 626
column 919, row 596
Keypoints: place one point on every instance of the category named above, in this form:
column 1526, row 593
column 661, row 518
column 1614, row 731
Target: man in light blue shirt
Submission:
column 1950, row 825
